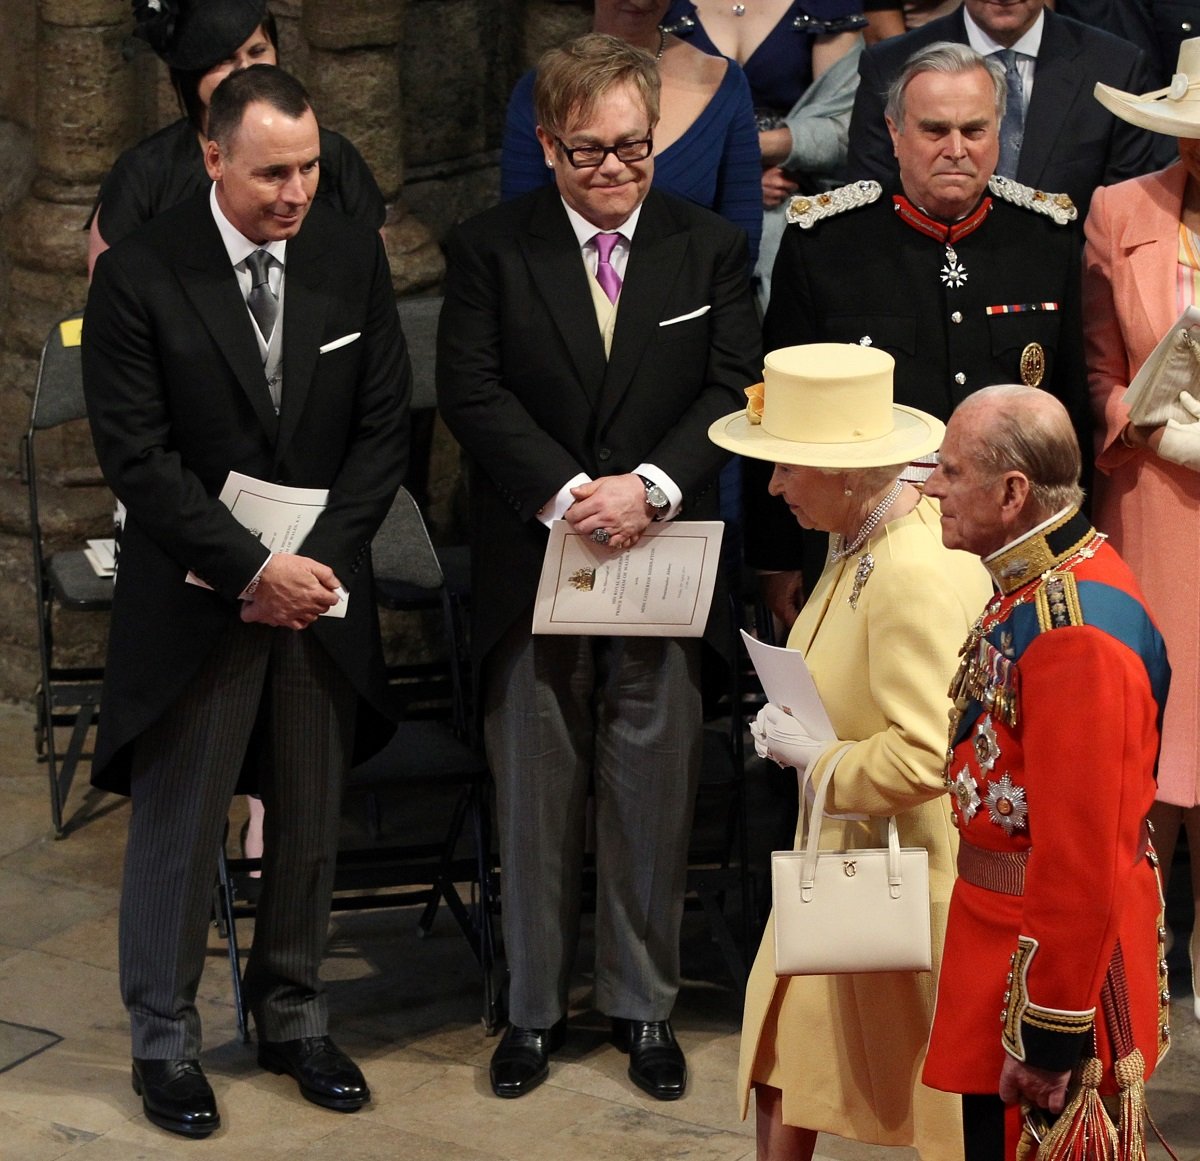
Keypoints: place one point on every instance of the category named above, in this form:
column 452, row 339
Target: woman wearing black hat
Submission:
column 202, row 41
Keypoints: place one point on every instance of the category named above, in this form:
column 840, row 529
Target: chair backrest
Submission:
column 58, row 393
column 419, row 319
column 401, row 551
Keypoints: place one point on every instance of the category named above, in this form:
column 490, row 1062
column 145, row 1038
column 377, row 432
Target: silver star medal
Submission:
column 1006, row 805
column 953, row 275
column 965, row 794
column 987, row 748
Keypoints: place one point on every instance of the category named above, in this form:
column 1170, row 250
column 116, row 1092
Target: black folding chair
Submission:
column 430, row 752
column 718, row 854
column 419, row 319
column 68, row 696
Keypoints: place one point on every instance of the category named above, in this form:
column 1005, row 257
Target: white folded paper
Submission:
column 281, row 517
column 102, row 556
column 661, row 587
column 788, row 683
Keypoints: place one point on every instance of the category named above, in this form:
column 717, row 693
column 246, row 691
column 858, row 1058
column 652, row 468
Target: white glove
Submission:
column 778, row 736
column 1181, row 441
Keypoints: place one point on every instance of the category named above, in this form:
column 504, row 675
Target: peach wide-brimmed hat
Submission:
column 1174, row 110
column 828, row 405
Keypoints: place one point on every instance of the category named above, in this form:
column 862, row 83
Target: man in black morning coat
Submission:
column 192, row 371
column 590, row 401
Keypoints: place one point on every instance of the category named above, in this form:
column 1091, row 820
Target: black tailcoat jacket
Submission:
column 524, row 385
column 177, row 399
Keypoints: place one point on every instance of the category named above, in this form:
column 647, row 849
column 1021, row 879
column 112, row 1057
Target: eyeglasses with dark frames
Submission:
column 591, row 156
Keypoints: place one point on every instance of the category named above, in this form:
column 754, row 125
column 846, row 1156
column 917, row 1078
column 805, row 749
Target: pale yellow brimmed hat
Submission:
column 828, row 405
column 1174, row 110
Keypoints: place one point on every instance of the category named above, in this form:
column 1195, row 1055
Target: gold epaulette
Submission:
column 1056, row 206
column 808, row 209
column 1057, row 602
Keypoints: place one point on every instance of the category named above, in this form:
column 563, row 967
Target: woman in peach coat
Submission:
column 1141, row 270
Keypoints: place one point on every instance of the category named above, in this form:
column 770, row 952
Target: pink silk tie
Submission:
column 609, row 279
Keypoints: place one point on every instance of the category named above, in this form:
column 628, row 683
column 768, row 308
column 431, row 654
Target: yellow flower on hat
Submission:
column 754, row 403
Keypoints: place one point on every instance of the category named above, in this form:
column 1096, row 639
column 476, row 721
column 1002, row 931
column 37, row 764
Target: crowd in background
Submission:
column 931, row 200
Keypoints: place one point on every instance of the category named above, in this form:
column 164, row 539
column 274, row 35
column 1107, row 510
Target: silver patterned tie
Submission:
column 261, row 300
column 1012, row 128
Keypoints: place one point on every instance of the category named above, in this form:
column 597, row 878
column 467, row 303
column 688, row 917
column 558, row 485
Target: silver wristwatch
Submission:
column 656, row 498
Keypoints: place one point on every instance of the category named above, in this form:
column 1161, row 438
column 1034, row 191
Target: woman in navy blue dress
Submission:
column 801, row 59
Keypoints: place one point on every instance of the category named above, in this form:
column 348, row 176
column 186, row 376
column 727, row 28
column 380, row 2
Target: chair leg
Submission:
column 485, row 906
column 61, row 766
column 47, row 751
column 710, row 897
column 65, row 774
column 224, row 916
column 443, row 887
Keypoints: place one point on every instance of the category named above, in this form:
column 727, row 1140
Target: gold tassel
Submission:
column 1084, row 1131
column 1130, row 1072
column 1027, row 1145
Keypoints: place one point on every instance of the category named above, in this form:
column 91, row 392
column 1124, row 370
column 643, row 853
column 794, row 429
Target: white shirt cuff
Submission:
column 556, row 508
column 248, row 592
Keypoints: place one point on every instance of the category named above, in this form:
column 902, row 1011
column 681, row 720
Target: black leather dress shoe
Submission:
column 656, row 1063
column 326, row 1075
column 176, row 1096
column 522, row 1058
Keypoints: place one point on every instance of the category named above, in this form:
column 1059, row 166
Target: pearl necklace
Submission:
column 841, row 550
column 662, row 43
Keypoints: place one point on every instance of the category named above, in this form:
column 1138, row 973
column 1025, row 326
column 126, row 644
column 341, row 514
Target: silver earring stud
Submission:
column 549, row 163
column 847, row 492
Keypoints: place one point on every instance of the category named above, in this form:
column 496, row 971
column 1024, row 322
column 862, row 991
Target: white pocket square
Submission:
column 341, row 342
column 684, row 317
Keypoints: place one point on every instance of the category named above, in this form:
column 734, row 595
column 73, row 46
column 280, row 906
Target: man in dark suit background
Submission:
column 969, row 279
column 590, row 335
column 1066, row 142
column 246, row 330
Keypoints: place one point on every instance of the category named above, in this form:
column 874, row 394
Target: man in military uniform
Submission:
column 965, row 278
column 1054, row 943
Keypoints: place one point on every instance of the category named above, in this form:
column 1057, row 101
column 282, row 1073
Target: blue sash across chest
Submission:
column 1104, row 607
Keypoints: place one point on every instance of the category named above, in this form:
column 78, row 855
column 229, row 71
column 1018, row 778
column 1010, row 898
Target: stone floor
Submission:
column 406, row 1008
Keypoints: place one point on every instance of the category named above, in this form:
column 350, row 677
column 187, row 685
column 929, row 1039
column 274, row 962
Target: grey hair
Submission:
column 573, row 79
column 951, row 59
column 1029, row 431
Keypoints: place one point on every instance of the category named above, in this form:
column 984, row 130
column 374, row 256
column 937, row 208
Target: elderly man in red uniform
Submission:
column 1053, row 980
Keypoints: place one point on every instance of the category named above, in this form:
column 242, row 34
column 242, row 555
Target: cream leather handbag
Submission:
column 850, row 911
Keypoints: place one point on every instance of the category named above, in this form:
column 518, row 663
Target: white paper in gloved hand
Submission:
column 778, row 736
column 1181, row 441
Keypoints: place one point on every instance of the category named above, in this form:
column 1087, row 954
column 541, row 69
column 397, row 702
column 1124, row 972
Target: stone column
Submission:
column 353, row 72
column 85, row 111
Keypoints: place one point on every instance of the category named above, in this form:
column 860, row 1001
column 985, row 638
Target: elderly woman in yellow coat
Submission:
column 842, row 1054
